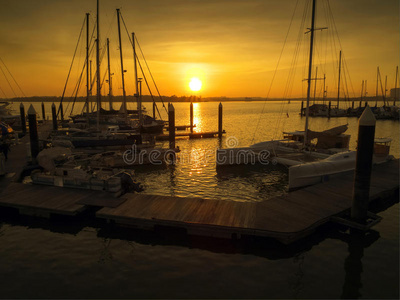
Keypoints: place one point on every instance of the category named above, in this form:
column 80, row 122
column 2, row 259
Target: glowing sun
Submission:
column 195, row 84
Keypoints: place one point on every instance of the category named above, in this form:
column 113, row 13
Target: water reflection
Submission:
column 297, row 285
column 357, row 241
column 197, row 118
column 105, row 253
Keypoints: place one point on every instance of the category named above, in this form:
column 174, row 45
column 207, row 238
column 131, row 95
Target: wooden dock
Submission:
column 286, row 218
column 194, row 135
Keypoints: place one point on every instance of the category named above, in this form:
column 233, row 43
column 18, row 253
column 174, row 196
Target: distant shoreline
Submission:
column 183, row 99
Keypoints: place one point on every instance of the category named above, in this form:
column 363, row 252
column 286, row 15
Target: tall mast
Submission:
column 325, row 93
column 377, row 82
column 139, row 105
column 340, row 68
column 395, row 86
column 98, row 68
column 315, row 83
column 362, row 91
column 122, row 65
column 384, row 98
column 309, row 71
column 109, row 75
column 87, row 67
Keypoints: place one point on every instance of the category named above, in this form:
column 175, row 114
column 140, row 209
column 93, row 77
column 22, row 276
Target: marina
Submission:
column 193, row 158
column 287, row 218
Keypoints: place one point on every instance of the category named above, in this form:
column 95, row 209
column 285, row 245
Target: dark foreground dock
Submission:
column 286, row 218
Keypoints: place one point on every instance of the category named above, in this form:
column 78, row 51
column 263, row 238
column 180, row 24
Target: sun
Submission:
column 195, row 84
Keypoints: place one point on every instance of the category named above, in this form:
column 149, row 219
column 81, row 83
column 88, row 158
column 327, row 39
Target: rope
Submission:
column 70, row 68
column 151, row 75
column 274, row 75
column 13, row 77
column 123, row 21
column 8, row 81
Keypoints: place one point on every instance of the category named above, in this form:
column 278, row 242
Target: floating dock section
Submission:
column 286, row 218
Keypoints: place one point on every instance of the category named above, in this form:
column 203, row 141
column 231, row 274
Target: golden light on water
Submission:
column 197, row 117
column 195, row 84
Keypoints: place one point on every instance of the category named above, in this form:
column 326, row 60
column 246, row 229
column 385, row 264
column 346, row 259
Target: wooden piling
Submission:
column 23, row 119
column 220, row 120
column 33, row 132
column 171, row 123
column 154, row 110
column 54, row 116
column 302, row 108
column 191, row 117
column 43, row 112
column 62, row 113
column 362, row 179
column 329, row 109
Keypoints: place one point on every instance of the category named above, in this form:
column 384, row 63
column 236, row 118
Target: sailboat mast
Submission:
column 362, row 91
column 87, row 68
column 122, row 64
column 340, row 69
column 325, row 93
column 139, row 104
column 98, row 68
column 384, row 98
column 309, row 71
column 377, row 82
column 109, row 75
column 315, row 83
column 395, row 86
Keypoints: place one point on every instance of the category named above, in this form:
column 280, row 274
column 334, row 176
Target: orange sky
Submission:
column 232, row 46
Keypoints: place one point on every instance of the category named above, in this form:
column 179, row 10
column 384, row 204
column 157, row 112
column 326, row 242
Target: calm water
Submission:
column 64, row 258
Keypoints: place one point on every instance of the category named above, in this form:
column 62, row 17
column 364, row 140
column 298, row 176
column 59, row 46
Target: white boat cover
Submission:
column 47, row 157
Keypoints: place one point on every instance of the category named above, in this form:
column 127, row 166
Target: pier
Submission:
column 188, row 134
column 286, row 218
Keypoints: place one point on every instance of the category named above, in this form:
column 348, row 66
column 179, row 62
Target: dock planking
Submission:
column 286, row 218
column 42, row 200
column 194, row 135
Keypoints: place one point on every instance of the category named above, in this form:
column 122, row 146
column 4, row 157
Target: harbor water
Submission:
column 85, row 258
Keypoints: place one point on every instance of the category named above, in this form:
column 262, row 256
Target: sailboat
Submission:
column 308, row 163
column 296, row 147
column 126, row 119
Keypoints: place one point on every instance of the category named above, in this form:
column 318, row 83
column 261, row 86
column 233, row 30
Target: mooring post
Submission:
column 154, row 110
column 54, row 116
column 171, row 125
column 23, row 119
column 352, row 104
column 191, row 117
column 302, row 108
column 220, row 120
column 43, row 113
column 62, row 113
column 362, row 179
column 329, row 109
column 33, row 132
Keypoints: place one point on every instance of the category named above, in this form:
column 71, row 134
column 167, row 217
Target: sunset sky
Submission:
column 232, row 46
